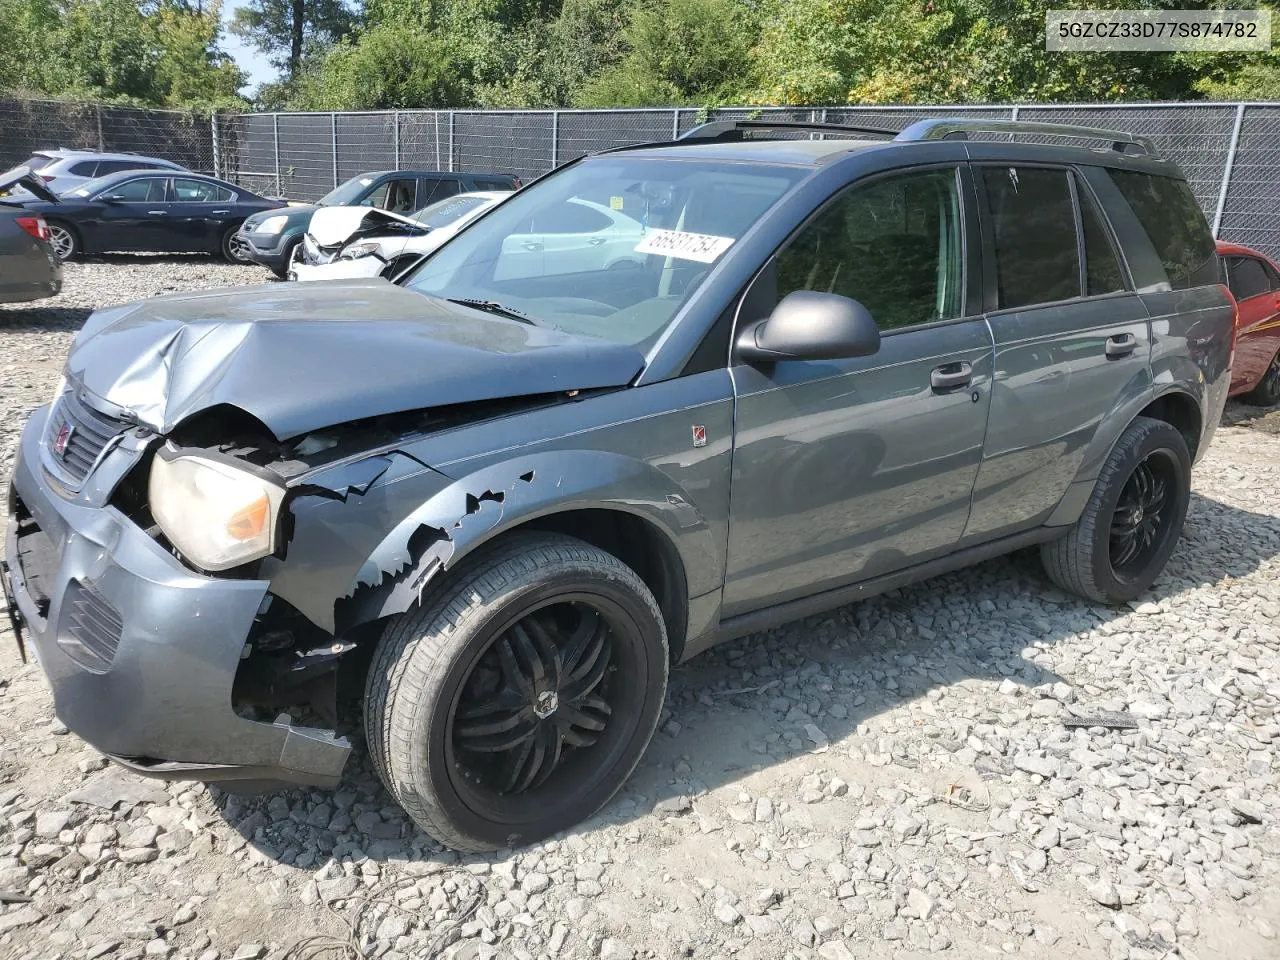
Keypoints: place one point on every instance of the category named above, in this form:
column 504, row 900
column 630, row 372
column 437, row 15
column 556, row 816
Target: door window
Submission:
column 145, row 190
column 398, row 196
column 1034, row 225
column 1246, row 277
column 199, row 191
column 894, row 245
column 441, row 189
column 1174, row 222
column 1102, row 269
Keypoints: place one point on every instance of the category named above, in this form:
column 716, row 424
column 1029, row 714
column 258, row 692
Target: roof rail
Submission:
column 947, row 128
column 733, row 130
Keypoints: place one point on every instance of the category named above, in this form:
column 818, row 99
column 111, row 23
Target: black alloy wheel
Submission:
column 1140, row 523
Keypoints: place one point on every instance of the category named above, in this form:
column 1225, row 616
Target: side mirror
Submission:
column 807, row 325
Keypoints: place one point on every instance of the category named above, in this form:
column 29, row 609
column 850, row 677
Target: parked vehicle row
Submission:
column 272, row 240
column 497, row 493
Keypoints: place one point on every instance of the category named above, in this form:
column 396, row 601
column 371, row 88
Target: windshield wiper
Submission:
column 495, row 308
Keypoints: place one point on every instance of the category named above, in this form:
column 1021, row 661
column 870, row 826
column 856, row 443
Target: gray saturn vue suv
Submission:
column 500, row 498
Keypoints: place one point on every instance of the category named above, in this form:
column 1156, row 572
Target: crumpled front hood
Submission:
column 333, row 225
column 300, row 356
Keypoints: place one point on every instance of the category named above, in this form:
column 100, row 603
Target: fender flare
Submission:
column 477, row 507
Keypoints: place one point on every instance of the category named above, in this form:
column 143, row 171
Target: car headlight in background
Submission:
column 357, row 250
column 217, row 515
column 271, row 225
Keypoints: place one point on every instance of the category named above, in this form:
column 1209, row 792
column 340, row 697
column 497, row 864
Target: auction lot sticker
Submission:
column 703, row 247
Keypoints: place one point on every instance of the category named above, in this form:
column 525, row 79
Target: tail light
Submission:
column 48, row 177
column 34, row 226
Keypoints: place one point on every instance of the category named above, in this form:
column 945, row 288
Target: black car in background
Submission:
column 272, row 239
column 154, row 211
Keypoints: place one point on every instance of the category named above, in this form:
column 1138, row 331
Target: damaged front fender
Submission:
column 369, row 537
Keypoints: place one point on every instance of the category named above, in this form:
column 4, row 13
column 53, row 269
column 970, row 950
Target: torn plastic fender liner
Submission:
column 372, row 555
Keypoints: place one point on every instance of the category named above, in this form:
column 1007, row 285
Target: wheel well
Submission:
column 1182, row 413
column 641, row 546
column 65, row 225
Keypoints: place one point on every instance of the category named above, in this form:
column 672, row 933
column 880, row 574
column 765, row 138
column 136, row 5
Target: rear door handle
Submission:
column 951, row 375
column 531, row 245
column 219, row 213
column 156, row 213
column 1121, row 345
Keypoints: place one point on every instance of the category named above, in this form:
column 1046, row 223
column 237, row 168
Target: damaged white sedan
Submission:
column 344, row 243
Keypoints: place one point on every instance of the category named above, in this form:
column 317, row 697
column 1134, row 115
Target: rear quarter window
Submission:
column 1175, row 224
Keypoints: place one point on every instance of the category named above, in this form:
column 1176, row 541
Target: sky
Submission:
column 251, row 61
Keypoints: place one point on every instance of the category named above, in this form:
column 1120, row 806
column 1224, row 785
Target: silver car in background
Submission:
column 344, row 243
column 29, row 270
column 64, row 169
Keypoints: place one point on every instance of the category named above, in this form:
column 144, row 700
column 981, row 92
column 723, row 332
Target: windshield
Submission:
column 444, row 212
column 347, row 194
column 610, row 247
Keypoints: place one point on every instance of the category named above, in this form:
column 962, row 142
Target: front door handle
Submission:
column 1121, row 345
column 951, row 375
column 219, row 213
column 156, row 213
column 531, row 245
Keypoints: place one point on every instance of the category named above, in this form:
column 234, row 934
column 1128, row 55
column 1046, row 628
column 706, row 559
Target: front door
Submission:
column 135, row 218
column 847, row 469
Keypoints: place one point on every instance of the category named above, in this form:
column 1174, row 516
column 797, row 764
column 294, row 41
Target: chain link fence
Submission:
column 1230, row 152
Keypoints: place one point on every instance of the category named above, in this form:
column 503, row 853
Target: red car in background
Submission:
column 1254, row 279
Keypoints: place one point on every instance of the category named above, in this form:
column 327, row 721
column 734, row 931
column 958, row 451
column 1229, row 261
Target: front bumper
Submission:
column 359, row 268
column 140, row 652
column 272, row 249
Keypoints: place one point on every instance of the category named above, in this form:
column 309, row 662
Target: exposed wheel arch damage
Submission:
column 341, row 580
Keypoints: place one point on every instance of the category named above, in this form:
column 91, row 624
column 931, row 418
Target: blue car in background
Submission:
column 154, row 211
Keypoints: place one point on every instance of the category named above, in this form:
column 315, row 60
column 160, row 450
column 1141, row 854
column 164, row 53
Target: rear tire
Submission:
column 519, row 696
column 63, row 238
column 1132, row 521
column 1267, row 392
column 235, row 249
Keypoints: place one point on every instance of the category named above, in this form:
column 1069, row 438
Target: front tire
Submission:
column 64, row 239
column 1132, row 521
column 1267, row 392
column 521, row 693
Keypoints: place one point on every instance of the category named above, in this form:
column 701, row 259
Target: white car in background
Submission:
column 352, row 242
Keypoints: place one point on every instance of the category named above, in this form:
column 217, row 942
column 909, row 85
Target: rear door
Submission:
column 1072, row 339
column 844, row 470
column 199, row 213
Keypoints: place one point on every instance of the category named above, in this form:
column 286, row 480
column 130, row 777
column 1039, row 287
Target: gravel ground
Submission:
column 895, row 779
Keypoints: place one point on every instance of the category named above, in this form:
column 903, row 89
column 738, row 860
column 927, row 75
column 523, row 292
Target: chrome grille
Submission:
column 90, row 432
column 91, row 627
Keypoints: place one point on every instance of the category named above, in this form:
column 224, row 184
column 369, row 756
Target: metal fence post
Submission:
column 275, row 139
column 217, row 146
column 675, row 124
column 555, row 138
column 1013, row 115
column 435, row 116
column 1226, row 170
column 395, row 117
column 451, row 114
column 333, row 144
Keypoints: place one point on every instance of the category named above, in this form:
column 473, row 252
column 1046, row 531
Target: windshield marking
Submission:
column 702, row 247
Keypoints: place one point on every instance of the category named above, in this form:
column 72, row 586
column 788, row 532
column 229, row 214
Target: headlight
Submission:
column 216, row 514
column 271, row 225
column 357, row 250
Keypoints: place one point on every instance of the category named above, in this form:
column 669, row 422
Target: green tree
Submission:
column 390, row 66
column 192, row 68
column 288, row 30
column 679, row 51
